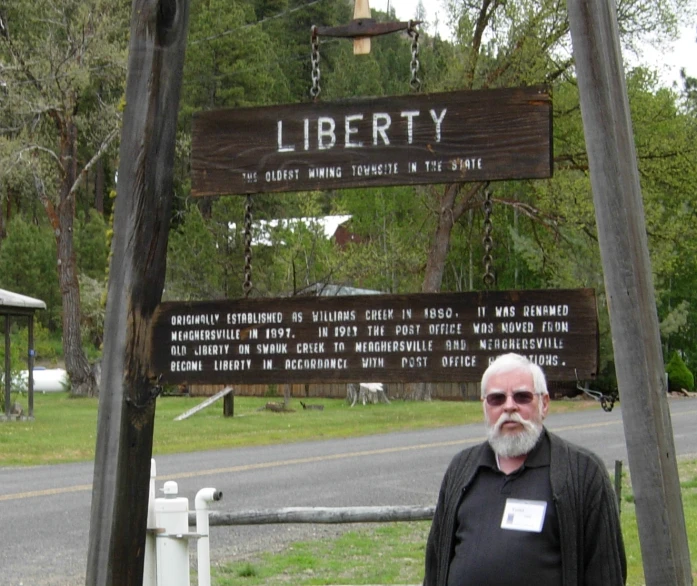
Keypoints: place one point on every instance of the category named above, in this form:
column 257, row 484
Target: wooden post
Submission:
column 30, row 365
column 8, row 366
column 361, row 9
column 141, row 226
column 629, row 287
column 229, row 405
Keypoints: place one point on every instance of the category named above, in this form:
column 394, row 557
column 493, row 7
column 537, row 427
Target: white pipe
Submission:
column 203, row 497
column 150, row 565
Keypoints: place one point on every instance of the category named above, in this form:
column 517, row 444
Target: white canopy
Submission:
column 10, row 299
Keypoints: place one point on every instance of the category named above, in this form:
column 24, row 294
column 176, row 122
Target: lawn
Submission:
column 64, row 430
column 394, row 553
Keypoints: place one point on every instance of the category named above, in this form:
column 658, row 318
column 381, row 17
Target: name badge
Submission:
column 521, row 515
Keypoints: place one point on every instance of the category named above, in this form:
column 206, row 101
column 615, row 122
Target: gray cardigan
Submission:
column 592, row 549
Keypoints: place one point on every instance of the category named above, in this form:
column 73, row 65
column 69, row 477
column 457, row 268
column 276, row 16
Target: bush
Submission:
column 679, row 376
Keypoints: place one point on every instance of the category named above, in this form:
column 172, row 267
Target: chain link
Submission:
column 316, row 89
column 414, row 82
column 247, row 285
column 488, row 242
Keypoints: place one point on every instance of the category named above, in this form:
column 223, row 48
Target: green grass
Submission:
column 64, row 428
column 380, row 554
column 394, row 553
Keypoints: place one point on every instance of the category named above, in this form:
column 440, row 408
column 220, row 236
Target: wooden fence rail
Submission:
column 319, row 515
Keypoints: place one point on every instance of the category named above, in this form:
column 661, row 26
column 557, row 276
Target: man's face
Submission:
column 509, row 422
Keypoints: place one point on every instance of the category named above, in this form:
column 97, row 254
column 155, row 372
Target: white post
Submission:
column 172, row 515
column 203, row 552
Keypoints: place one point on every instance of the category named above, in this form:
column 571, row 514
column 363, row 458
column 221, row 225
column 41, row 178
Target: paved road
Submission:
column 44, row 511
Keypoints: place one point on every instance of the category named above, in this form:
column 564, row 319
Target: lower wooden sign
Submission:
column 428, row 337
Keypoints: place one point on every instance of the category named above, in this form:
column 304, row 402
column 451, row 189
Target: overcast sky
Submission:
column 682, row 54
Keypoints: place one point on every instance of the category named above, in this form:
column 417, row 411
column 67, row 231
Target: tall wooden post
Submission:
column 30, row 365
column 137, row 273
column 628, row 282
column 8, row 366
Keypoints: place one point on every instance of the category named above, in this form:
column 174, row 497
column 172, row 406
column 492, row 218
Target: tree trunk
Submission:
column 3, row 222
column 82, row 381
column 449, row 211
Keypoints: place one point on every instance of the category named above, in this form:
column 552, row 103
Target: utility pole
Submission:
column 136, row 279
column 629, row 286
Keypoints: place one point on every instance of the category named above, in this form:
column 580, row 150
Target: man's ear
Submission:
column 545, row 405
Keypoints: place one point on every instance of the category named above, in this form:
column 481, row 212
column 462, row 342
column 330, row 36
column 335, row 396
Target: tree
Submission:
column 27, row 266
column 64, row 66
column 679, row 376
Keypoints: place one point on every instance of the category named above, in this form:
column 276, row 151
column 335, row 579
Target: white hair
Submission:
column 513, row 362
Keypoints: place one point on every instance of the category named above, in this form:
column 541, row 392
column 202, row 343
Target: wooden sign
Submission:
column 426, row 337
column 398, row 140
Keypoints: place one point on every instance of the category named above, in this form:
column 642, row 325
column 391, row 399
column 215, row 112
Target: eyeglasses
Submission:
column 519, row 397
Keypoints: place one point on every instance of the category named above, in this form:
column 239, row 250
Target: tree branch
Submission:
column 39, row 148
column 103, row 147
column 47, row 203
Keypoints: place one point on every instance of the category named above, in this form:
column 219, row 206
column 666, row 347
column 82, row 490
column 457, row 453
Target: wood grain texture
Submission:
column 629, row 288
column 428, row 337
column 398, row 140
column 141, row 226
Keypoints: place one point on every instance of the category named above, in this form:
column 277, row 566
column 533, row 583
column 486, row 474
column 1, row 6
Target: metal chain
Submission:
column 247, row 285
column 316, row 89
column 488, row 242
column 414, row 82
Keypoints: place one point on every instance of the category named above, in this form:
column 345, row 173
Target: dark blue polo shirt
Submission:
column 487, row 555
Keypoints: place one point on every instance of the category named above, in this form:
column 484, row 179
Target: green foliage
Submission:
column 91, row 245
column 92, row 310
column 392, row 240
column 47, row 347
column 679, row 376
column 252, row 52
column 192, row 270
column 28, row 267
column 230, row 61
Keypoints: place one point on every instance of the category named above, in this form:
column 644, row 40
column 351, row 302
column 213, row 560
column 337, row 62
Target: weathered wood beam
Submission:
column 209, row 401
column 137, row 273
column 319, row 515
column 628, row 283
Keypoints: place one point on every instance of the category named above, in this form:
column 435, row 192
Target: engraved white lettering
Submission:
column 545, row 310
column 185, row 366
column 381, row 123
column 349, row 130
column 325, row 129
column 242, row 364
column 438, row 121
column 409, row 115
column 281, row 147
column 379, row 314
column 458, row 361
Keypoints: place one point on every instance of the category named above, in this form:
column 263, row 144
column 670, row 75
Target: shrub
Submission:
column 679, row 376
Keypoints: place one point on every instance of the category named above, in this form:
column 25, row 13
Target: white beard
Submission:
column 513, row 445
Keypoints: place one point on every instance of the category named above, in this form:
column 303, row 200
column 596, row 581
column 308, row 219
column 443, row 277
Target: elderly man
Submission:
column 524, row 507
